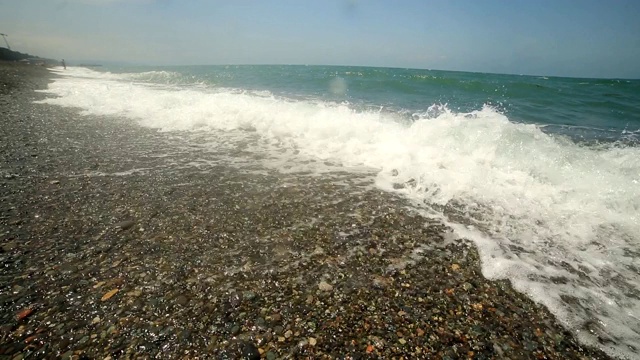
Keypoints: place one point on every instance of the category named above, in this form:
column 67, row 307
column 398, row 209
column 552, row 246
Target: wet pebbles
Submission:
column 114, row 245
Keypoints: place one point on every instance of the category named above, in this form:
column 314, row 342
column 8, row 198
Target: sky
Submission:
column 577, row 38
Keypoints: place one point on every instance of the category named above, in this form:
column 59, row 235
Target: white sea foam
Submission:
column 560, row 220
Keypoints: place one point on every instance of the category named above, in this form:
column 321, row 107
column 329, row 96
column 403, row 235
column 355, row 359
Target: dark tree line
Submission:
column 10, row 55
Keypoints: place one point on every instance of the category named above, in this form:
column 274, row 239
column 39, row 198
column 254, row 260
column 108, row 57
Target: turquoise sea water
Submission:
column 543, row 174
column 585, row 109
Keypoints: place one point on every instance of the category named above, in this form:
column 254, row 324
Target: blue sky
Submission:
column 584, row 38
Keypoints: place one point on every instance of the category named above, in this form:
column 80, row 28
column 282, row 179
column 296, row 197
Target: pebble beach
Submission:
column 116, row 245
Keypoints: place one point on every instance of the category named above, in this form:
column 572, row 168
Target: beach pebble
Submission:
column 235, row 330
column 109, row 295
column 250, row 352
column 125, row 225
column 23, row 314
column 249, row 295
column 324, row 286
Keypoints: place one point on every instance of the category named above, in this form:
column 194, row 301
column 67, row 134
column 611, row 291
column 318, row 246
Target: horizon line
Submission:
column 125, row 63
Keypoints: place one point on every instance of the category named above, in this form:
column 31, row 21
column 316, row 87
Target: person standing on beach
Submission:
column 64, row 65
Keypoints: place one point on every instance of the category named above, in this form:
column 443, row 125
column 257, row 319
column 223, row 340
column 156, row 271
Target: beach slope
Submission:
column 116, row 244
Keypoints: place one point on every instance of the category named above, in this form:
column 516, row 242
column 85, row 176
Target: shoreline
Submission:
column 215, row 262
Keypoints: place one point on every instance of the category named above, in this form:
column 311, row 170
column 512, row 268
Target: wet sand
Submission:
column 116, row 245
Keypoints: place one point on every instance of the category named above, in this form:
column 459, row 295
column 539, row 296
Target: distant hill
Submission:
column 10, row 55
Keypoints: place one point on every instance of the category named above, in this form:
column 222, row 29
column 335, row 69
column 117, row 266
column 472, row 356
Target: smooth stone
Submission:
column 324, row 286
column 250, row 352
column 235, row 330
column 125, row 225
column 249, row 295
column 235, row 300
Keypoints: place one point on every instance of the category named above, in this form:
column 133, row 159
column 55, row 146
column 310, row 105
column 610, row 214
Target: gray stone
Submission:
column 250, row 352
column 125, row 225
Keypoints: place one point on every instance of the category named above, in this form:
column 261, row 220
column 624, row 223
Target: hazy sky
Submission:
column 591, row 38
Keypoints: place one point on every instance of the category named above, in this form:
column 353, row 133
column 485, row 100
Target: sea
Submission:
column 541, row 173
